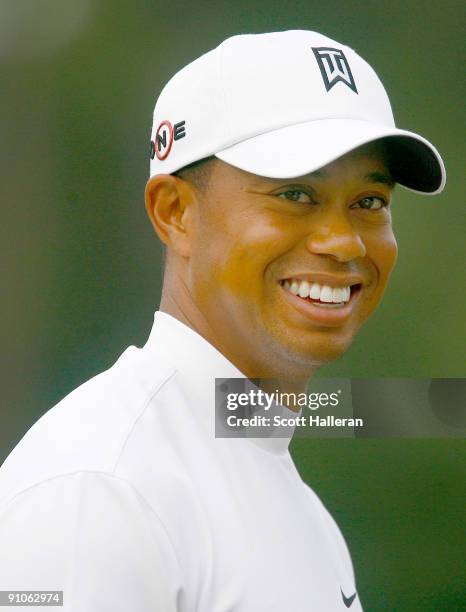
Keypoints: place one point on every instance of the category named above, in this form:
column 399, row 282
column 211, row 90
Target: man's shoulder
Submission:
column 88, row 429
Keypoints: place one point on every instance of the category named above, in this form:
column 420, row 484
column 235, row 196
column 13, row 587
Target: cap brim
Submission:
column 302, row 148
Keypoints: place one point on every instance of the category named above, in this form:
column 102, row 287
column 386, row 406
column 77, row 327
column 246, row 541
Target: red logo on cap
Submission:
column 163, row 140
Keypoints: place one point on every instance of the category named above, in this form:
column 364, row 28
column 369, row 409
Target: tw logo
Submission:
column 165, row 134
column 334, row 67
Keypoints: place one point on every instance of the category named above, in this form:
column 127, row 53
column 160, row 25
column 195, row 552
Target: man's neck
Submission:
column 194, row 319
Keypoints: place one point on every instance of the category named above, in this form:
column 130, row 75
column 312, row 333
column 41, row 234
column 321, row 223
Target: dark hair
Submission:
column 197, row 173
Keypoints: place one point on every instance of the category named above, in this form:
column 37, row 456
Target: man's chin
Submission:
column 320, row 350
column 322, row 355
column 328, row 355
column 299, row 360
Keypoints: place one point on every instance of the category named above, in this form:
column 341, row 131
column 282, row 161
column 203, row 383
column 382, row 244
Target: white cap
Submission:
column 282, row 105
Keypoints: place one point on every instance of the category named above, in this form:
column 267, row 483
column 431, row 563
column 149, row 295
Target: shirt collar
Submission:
column 199, row 363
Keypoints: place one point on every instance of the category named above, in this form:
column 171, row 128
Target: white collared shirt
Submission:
column 122, row 497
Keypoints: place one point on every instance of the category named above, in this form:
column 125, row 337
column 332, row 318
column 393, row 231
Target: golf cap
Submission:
column 282, row 105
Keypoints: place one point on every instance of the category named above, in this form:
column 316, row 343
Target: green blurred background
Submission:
column 81, row 268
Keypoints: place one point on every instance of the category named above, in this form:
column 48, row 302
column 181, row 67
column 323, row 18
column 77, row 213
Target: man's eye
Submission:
column 296, row 195
column 371, row 203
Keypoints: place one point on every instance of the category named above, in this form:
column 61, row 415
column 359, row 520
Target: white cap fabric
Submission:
column 283, row 105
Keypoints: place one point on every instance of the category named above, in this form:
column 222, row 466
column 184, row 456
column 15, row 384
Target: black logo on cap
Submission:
column 165, row 134
column 334, row 67
column 348, row 600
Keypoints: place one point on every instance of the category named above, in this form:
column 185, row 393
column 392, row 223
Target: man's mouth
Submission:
column 319, row 294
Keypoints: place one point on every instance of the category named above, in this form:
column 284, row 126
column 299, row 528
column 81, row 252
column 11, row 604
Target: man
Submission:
column 273, row 160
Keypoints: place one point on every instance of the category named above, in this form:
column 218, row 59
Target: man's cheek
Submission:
column 382, row 250
column 240, row 273
column 244, row 264
column 389, row 253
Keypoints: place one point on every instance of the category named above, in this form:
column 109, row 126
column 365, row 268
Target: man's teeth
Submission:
column 323, row 293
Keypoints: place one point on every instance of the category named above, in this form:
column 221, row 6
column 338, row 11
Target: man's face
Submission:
column 258, row 242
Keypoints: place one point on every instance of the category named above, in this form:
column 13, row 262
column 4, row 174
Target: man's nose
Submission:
column 336, row 238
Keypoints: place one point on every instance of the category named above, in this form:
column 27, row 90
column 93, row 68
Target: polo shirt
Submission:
column 122, row 497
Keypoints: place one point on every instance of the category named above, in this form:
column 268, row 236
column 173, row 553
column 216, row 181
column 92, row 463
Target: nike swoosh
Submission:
column 348, row 600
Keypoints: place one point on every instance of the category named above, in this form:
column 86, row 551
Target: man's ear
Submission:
column 169, row 204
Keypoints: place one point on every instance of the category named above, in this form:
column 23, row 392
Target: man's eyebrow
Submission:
column 376, row 176
column 380, row 177
column 373, row 177
column 319, row 173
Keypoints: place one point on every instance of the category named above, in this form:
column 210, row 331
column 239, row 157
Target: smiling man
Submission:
column 273, row 160
column 279, row 274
